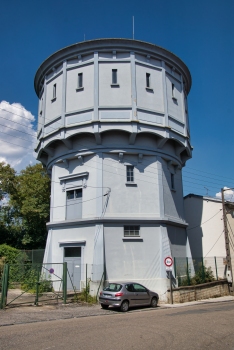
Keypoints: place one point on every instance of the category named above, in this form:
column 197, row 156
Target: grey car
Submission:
column 127, row 294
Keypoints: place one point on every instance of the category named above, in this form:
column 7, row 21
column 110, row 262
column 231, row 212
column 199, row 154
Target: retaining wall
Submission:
column 208, row 290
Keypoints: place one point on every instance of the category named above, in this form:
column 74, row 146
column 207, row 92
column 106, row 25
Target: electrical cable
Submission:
column 214, row 244
column 188, row 229
column 200, row 184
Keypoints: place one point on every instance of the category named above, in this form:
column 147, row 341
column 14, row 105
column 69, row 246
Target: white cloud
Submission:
column 17, row 137
column 228, row 194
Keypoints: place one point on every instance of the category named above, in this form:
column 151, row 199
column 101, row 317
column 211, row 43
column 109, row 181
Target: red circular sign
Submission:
column 168, row 261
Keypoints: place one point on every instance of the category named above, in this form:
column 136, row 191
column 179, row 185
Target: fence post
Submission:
column 188, row 278
column 65, row 282
column 216, row 269
column 175, row 266
column 86, row 292
column 37, row 286
column 203, row 272
column 5, row 279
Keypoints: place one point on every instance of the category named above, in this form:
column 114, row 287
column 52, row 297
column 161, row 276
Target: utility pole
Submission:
column 226, row 235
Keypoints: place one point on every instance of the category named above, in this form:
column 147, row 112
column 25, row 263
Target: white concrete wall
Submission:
column 149, row 99
column 54, row 108
column 205, row 230
column 174, row 106
column 81, row 99
column 114, row 96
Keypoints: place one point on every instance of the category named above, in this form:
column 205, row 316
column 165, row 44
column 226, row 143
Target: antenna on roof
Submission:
column 84, row 37
column 133, row 27
column 207, row 191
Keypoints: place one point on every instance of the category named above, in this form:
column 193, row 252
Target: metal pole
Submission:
column 2, row 305
column 171, row 293
column 216, row 269
column 37, row 286
column 188, row 278
column 203, row 272
column 86, row 284
column 226, row 236
column 65, row 282
column 175, row 266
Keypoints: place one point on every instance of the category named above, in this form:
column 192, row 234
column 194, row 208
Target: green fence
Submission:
column 191, row 271
column 33, row 283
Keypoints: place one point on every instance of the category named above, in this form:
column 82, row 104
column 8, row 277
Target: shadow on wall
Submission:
column 193, row 214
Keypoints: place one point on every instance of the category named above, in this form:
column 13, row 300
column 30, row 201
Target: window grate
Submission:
column 131, row 231
column 130, row 173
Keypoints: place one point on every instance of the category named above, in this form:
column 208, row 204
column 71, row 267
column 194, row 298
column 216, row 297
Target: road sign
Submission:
column 168, row 261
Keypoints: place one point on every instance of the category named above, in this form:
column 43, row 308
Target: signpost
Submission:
column 168, row 261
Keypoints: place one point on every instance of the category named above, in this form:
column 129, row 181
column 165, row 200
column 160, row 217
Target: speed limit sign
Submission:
column 168, row 261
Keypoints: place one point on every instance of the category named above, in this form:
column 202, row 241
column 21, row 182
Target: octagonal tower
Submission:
column 113, row 132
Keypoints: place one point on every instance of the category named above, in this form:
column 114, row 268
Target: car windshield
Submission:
column 113, row 287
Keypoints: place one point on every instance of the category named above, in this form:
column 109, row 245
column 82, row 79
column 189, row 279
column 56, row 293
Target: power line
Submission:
column 200, row 184
column 213, row 245
column 188, row 229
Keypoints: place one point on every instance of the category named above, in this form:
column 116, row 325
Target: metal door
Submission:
column 72, row 255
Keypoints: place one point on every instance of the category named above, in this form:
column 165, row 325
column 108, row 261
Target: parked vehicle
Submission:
column 126, row 295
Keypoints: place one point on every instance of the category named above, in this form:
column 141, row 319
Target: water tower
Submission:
column 113, row 132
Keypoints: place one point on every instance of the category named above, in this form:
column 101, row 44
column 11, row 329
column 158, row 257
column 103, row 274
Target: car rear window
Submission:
column 113, row 287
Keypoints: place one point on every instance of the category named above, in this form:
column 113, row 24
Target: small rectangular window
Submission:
column 173, row 91
column 130, row 173
column 131, row 231
column 172, row 181
column 80, row 80
column 54, row 91
column 114, row 76
column 147, row 80
column 73, row 252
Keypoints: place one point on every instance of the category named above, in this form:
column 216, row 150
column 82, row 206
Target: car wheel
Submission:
column 104, row 306
column 154, row 302
column 124, row 306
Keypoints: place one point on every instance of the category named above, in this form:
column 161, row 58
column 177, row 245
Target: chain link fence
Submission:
column 190, row 271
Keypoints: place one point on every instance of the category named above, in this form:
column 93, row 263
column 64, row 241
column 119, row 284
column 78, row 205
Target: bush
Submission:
column 10, row 254
column 203, row 275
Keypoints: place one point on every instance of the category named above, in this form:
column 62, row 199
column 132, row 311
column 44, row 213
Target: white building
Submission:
column 113, row 132
column 205, row 230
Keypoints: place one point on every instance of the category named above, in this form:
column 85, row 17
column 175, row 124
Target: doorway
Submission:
column 72, row 256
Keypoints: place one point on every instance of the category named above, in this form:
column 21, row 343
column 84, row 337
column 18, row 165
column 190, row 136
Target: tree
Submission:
column 28, row 211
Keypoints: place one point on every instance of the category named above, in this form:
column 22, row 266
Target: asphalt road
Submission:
column 207, row 326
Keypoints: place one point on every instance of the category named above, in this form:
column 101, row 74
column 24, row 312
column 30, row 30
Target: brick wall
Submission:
column 201, row 291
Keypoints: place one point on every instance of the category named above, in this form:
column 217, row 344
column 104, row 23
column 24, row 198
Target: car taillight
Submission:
column 120, row 294
column 100, row 293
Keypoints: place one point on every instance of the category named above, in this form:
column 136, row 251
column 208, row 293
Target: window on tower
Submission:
column 114, row 82
column 147, row 80
column 74, row 204
column 80, row 80
column 54, row 93
column 130, row 173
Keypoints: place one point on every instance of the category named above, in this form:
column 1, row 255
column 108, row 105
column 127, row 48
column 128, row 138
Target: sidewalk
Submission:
column 29, row 314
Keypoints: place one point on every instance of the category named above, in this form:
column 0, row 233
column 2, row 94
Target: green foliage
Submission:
column 23, row 220
column 84, row 296
column 31, row 279
column 10, row 255
column 202, row 275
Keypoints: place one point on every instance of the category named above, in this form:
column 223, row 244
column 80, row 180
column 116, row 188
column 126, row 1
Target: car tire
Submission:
column 104, row 306
column 154, row 302
column 124, row 306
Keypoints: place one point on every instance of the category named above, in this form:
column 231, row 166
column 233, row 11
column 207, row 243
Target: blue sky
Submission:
column 200, row 32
